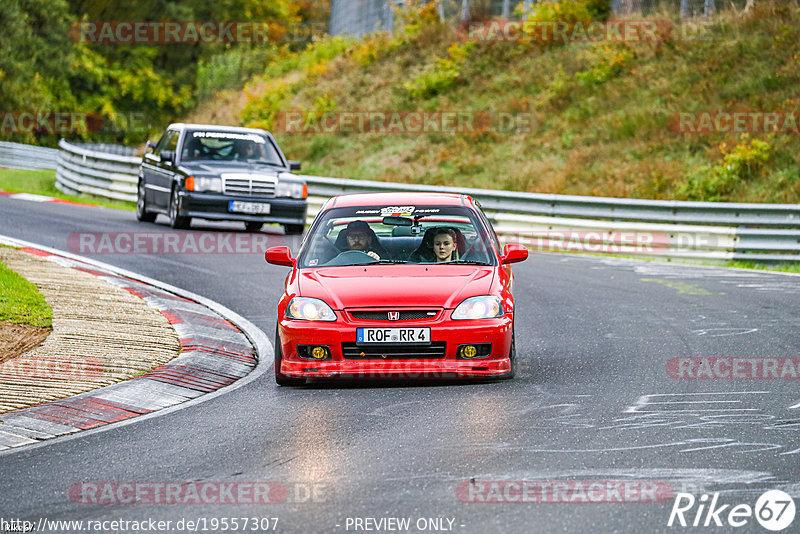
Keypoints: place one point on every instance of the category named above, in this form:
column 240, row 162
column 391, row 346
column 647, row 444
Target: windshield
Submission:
column 435, row 235
column 229, row 146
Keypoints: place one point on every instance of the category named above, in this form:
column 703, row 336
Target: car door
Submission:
column 159, row 182
column 148, row 170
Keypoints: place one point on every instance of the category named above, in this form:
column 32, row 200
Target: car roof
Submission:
column 216, row 128
column 399, row 199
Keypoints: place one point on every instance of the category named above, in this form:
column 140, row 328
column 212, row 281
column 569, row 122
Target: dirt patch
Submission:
column 17, row 339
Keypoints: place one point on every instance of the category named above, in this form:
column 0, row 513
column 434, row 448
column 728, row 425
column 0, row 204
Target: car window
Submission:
column 406, row 235
column 229, row 146
column 492, row 233
column 172, row 141
column 169, row 137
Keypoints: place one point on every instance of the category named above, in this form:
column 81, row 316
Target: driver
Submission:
column 360, row 236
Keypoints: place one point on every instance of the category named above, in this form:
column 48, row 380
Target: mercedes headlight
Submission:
column 210, row 184
column 308, row 309
column 291, row 189
column 483, row 307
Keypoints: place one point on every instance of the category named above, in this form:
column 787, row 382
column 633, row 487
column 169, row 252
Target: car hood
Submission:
column 368, row 286
column 218, row 168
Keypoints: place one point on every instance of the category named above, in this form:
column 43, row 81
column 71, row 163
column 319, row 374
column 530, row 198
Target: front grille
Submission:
column 383, row 315
column 249, row 187
column 436, row 350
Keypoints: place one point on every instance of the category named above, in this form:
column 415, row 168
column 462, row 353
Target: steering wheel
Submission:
column 209, row 153
column 351, row 257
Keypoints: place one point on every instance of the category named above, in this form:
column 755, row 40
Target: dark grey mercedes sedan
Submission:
column 220, row 173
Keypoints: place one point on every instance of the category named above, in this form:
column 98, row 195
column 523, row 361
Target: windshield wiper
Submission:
column 271, row 163
column 387, row 261
column 465, row 262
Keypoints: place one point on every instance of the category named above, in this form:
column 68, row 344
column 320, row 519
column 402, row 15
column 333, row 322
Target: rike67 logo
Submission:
column 774, row 510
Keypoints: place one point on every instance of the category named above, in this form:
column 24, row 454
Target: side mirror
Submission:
column 280, row 256
column 168, row 156
column 149, row 146
column 513, row 253
column 294, row 165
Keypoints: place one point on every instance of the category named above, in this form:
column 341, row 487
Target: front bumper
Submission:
column 214, row 206
column 497, row 331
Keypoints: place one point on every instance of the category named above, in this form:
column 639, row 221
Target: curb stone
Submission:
column 215, row 353
column 41, row 198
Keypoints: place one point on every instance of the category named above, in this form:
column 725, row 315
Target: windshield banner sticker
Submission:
column 229, row 135
column 397, row 211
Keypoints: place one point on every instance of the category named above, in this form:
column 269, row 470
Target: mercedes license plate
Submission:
column 253, row 208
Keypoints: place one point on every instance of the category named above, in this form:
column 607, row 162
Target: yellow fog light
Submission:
column 469, row 351
column 319, row 353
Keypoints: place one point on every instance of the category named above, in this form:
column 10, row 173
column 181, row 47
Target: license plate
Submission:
column 365, row 336
column 248, row 207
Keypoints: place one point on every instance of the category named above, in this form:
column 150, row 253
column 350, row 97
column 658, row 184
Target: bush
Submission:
column 608, row 62
column 565, row 10
column 260, row 112
column 310, row 60
column 713, row 183
column 442, row 75
column 599, row 9
column 229, row 70
column 417, row 17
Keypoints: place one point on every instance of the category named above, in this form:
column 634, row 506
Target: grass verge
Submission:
column 42, row 182
column 21, row 302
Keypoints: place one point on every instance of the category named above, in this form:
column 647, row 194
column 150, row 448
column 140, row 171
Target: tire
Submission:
column 293, row 229
column 253, row 226
column 280, row 378
column 175, row 220
column 512, row 356
column 142, row 215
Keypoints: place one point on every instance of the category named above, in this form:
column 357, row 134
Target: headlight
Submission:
column 291, row 189
column 484, row 307
column 307, row 309
column 194, row 183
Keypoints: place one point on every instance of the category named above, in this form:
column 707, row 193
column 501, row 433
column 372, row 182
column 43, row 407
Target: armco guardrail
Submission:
column 20, row 156
column 673, row 229
column 84, row 171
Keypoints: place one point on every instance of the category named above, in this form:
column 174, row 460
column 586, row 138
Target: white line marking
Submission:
column 30, row 197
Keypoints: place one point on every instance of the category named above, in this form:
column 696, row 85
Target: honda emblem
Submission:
column 393, row 316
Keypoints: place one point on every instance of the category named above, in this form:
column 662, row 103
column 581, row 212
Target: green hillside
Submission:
column 602, row 115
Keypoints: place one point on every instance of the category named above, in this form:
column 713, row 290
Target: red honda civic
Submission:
column 397, row 285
